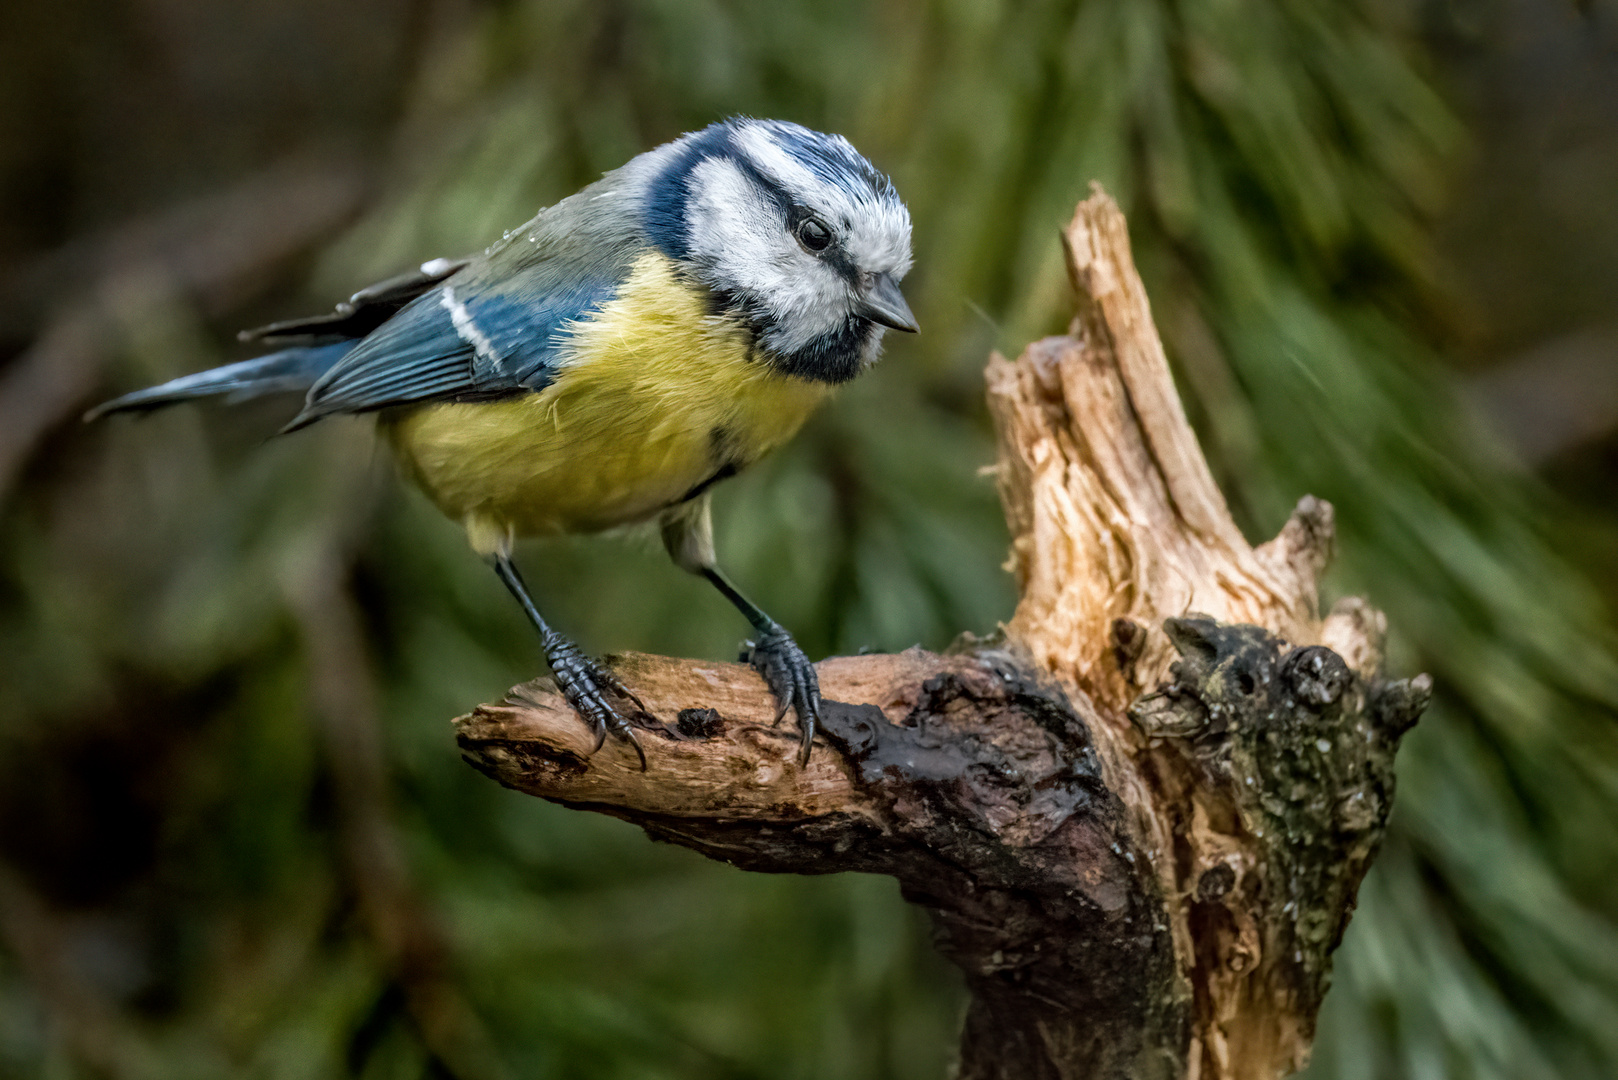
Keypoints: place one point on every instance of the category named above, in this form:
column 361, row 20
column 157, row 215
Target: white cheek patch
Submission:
column 813, row 301
column 740, row 237
column 739, row 241
column 735, row 231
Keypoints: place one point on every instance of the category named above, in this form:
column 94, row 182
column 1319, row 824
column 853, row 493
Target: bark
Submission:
column 1139, row 820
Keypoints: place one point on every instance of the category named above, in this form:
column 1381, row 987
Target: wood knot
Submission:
column 1316, row 675
column 700, row 723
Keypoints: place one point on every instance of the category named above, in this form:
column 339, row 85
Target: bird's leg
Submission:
column 688, row 535
column 583, row 682
column 776, row 656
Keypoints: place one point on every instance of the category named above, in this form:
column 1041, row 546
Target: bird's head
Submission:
column 792, row 231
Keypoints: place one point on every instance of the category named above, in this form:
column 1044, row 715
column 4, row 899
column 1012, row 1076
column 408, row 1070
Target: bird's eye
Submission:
column 813, row 234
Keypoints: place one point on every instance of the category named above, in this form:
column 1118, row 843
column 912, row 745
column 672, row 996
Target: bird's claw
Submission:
column 616, row 685
column 585, row 685
column 791, row 678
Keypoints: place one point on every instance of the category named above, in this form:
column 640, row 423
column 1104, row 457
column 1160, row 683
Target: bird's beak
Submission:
column 884, row 303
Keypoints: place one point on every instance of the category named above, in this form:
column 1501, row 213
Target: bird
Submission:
column 611, row 360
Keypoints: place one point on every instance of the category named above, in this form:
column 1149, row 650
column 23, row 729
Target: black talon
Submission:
column 634, row 740
column 791, row 678
column 582, row 682
column 580, row 679
column 616, row 685
column 776, row 656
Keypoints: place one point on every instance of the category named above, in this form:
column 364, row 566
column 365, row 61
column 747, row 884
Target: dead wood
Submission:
column 1140, row 820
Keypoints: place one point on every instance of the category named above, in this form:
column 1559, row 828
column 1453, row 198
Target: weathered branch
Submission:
column 1139, row 831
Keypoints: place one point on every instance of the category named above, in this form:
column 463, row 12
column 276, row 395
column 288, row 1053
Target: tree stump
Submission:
column 1139, row 819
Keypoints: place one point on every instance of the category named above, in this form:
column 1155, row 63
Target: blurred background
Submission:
column 1381, row 239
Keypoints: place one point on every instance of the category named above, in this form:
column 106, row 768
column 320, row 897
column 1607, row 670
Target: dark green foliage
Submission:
column 163, row 779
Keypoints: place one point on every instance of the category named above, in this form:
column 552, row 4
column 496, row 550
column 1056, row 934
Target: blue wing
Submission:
column 463, row 329
column 497, row 324
column 457, row 341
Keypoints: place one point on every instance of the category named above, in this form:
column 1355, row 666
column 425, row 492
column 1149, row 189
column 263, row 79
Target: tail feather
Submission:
column 281, row 372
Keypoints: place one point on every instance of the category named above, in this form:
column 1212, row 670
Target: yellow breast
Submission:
column 653, row 397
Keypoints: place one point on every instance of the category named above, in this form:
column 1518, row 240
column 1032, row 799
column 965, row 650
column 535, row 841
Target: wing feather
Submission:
column 491, row 326
column 361, row 313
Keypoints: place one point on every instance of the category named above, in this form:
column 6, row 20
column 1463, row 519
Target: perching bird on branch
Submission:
column 611, row 360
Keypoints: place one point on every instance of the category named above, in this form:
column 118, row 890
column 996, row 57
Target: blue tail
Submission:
column 280, row 372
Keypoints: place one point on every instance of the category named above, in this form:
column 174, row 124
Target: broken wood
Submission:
column 1139, row 820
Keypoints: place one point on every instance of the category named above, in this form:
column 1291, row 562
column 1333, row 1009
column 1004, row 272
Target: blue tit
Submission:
column 611, row 360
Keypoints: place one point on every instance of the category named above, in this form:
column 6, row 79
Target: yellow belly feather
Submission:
column 653, row 397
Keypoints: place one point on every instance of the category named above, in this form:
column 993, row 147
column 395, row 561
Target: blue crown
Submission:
column 830, row 158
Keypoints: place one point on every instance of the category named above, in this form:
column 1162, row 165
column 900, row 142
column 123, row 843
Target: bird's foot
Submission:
column 791, row 678
column 586, row 684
